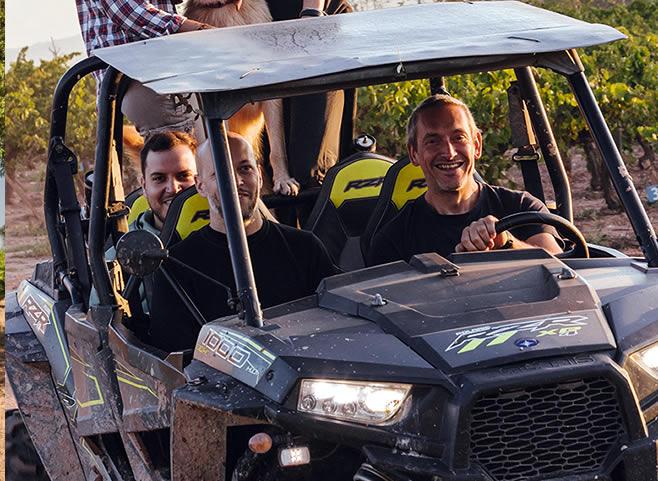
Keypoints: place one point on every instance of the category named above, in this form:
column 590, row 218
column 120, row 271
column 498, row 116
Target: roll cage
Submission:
column 72, row 237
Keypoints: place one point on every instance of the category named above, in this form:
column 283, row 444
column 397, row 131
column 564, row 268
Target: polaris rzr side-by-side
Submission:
column 504, row 365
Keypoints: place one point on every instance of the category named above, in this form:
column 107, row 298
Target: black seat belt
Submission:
column 523, row 138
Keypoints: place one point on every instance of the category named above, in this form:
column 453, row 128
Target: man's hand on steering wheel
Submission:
column 486, row 234
column 481, row 235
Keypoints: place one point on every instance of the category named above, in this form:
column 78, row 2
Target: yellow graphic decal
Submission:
column 125, row 376
column 92, row 402
column 409, row 185
column 138, row 386
column 361, row 180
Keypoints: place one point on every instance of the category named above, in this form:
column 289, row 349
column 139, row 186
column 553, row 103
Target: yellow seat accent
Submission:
column 409, row 185
column 361, row 180
column 194, row 214
column 140, row 205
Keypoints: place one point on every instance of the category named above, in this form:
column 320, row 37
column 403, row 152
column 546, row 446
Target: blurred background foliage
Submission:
column 623, row 75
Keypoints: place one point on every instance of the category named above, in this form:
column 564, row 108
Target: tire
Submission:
column 22, row 463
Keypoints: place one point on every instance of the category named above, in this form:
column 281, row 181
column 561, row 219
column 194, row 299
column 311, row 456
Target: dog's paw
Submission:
column 286, row 186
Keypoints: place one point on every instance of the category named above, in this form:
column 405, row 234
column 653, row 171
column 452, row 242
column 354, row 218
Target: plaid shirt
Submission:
column 114, row 22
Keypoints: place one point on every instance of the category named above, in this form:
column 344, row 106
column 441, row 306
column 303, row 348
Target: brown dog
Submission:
column 250, row 120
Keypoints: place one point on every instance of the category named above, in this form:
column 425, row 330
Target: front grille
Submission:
column 545, row 431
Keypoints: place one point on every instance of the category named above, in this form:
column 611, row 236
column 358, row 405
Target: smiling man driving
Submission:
column 457, row 213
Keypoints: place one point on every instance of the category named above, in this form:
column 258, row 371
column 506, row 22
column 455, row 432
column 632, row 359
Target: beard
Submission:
column 247, row 206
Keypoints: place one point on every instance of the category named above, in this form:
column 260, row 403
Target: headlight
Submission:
column 647, row 358
column 365, row 402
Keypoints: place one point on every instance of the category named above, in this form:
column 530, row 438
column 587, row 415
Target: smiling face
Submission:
column 247, row 177
column 446, row 147
column 167, row 173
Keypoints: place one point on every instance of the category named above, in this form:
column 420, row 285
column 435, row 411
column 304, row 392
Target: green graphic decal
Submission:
column 561, row 326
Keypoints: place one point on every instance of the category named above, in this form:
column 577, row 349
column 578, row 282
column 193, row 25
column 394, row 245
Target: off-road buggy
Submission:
column 503, row 365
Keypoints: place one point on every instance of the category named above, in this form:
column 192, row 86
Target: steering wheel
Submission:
column 563, row 226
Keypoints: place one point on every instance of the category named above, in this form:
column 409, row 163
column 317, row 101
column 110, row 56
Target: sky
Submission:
column 29, row 22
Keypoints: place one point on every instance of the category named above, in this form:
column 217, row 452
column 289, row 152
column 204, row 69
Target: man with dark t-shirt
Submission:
column 288, row 263
column 457, row 213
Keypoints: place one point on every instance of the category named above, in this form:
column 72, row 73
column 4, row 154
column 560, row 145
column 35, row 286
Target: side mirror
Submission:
column 140, row 252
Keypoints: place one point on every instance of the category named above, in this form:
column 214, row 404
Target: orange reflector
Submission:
column 260, row 443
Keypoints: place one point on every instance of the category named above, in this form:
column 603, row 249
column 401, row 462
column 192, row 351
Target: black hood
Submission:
column 423, row 321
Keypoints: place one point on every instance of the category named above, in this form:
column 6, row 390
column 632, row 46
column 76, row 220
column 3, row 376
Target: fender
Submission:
column 29, row 373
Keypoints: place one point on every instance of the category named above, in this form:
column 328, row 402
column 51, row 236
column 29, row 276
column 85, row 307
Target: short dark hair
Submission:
column 162, row 141
column 437, row 100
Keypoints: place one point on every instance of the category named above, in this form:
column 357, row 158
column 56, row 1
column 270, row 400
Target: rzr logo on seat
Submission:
column 417, row 184
column 363, row 183
column 201, row 215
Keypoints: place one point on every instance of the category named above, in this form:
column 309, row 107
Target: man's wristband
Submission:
column 311, row 12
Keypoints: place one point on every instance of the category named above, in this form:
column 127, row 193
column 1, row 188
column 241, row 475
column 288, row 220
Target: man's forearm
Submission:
column 543, row 240
column 192, row 25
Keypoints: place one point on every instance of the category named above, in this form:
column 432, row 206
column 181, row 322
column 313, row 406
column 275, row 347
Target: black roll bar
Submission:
column 59, row 190
column 547, row 143
column 621, row 179
column 101, row 186
column 235, row 233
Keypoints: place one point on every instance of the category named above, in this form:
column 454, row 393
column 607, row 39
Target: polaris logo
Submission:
column 526, row 343
column 417, row 184
column 201, row 215
column 363, row 183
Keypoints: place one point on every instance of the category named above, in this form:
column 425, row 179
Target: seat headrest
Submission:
column 353, row 181
column 137, row 203
column 187, row 213
column 348, row 196
column 404, row 182
column 409, row 184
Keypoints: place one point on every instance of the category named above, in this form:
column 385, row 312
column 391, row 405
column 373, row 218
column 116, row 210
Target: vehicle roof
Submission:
column 253, row 56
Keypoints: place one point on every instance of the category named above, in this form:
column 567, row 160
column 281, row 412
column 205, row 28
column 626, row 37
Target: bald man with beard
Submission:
column 288, row 263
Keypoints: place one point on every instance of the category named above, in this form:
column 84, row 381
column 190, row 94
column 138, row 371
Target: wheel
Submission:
column 563, row 226
column 22, row 463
